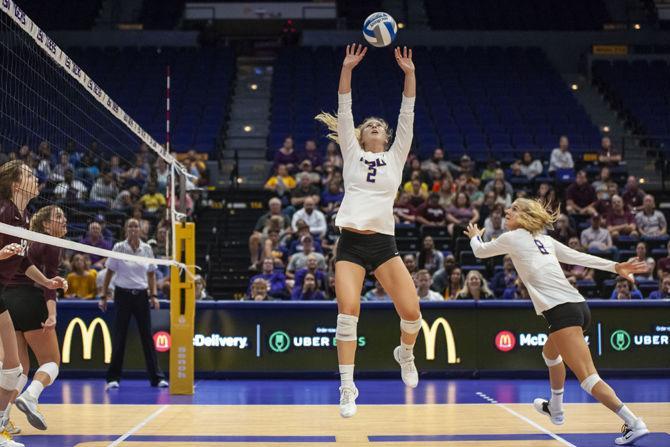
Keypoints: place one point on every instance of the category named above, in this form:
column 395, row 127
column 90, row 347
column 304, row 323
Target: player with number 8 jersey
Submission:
column 372, row 174
column 536, row 258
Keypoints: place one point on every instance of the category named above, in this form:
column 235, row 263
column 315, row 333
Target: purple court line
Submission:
column 478, row 437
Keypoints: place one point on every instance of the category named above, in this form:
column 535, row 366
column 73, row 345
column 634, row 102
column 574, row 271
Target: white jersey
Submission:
column 371, row 180
column 536, row 259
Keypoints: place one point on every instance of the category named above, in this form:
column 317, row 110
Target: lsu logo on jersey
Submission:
column 372, row 168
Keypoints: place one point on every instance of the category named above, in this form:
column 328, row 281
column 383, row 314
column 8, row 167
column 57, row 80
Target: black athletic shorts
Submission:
column 568, row 314
column 367, row 250
column 26, row 306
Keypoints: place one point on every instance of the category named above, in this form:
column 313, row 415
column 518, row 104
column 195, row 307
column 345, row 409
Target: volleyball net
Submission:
column 91, row 159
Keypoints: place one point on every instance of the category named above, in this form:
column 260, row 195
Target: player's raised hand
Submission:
column 473, row 231
column 629, row 268
column 354, row 54
column 404, row 59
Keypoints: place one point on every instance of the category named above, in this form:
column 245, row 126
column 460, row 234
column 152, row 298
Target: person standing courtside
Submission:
column 134, row 294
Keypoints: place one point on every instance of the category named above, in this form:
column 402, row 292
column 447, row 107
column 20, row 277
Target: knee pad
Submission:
column 411, row 327
column 549, row 362
column 50, row 369
column 21, row 383
column 346, row 327
column 588, row 383
column 9, row 378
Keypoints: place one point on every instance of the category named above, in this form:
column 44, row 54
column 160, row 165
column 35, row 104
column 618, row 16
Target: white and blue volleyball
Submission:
column 380, row 29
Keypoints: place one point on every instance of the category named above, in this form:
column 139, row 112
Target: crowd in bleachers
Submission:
column 98, row 195
column 605, row 212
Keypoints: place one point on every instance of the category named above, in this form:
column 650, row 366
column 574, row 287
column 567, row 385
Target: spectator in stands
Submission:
column 410, row 262
column 431, row 213
column 312, row 268
column 259, row 290
column 455, row 284
column 561, row 158
column 311, row 153
column 620, row 221
column 377, row 293
column 460, row 214
column 447, row 191
column 94, row 238
column 306, row 169
column 488, row 204
column 403, row 211
column 437, row 165
column 650, row 222
column 467, row 168
column 115, row 167
column 298, row 260
column 596, row 239
column 641, row 255
column 272, row 248
column 489, row 172
column 563, row 230
column 331, row 198
column 70, row 189
column 580, row 196
column 663, row 264
column 312, row 217
column 663, row 292
column 145, row 225
column 475, row 288
column 305, row 189
column 547, row 194
column 137, row 173
column 281, row 183
column 441, row 277
column 275, row 209
column 88, row 169
column 603, row 179
column 632, row 195
column 429, row 257
column 287, row 156
column 499, row 177
column 294, row 244
column 608, row 155
column 333, row 155
column 530, row 167
column 81, row 280
column 104, row 190
column 423, row 281
column 502, row 195
column 417, row 193
column 201, row 289
column 310, row 290
column 153, row 201
column 412, row 169
column 162, row 175
column 517, row 291
column 603, row 204
column 123, row 201
column 494, row 225
column 505, row 278
column 577, row 272
column 623, row 290
column 275, row 280
column 58, row 172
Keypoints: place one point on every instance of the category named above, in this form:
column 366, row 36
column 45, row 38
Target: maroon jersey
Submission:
column 47, row 259
column 10, row 215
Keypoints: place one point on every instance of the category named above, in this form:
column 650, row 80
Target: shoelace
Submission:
column 347, row 396
column 625, row 429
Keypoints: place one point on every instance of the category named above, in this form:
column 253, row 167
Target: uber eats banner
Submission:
column 300, row 337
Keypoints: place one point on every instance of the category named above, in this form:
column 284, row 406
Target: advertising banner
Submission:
column 300, row 337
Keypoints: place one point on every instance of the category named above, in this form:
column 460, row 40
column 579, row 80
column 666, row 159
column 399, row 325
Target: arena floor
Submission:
column 279, row 413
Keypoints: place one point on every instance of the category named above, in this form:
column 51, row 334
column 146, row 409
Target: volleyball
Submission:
column 380, row 29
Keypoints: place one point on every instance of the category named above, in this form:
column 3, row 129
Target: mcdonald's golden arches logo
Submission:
column 429, row 334
column 87, row 334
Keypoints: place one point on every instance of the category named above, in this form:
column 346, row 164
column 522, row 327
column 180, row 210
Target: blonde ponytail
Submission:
column 536, row 215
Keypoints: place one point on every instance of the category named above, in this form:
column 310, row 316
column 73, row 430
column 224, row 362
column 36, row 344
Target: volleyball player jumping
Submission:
column 372, row 174
column 18, row 185
column 33, row 312
column 536, row 258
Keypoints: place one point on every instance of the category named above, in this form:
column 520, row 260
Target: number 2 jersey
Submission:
column 371, row 180
column 536, row 259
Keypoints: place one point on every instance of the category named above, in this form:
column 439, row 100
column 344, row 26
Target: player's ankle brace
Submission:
column 346, row 328
column 410, row 327
column 549, row 362
column 588, row 383
column 50, row 369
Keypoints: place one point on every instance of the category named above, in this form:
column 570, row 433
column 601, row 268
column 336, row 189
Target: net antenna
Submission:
column 47, row 100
